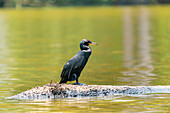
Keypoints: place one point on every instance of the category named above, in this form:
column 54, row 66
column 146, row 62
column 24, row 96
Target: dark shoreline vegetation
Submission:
column 60, row 3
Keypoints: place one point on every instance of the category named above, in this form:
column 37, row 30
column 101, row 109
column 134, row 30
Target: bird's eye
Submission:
column 86, row 43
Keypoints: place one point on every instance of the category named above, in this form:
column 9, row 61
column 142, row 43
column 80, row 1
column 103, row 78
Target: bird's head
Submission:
column 84, row 44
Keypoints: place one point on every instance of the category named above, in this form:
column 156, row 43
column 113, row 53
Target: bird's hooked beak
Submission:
column 92, row 43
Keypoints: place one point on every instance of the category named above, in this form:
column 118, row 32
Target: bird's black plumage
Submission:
column 72, row 69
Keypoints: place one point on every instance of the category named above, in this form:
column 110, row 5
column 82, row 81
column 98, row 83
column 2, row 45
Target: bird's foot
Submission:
column 81, row 84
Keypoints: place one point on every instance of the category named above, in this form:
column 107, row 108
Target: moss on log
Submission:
column 55, row 90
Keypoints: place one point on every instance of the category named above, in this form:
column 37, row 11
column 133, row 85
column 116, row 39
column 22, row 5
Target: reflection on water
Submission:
column 138, row 60
column 146, row 103
column 3, row 46
column 128, row 38
column 5, row 58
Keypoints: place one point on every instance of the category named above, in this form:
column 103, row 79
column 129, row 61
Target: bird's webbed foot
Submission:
column 77, row 83
column 81, row 84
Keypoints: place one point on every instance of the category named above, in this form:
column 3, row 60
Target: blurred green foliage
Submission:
column 42, row 3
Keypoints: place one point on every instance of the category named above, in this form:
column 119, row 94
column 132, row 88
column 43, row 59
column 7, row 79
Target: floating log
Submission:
column 55, row 90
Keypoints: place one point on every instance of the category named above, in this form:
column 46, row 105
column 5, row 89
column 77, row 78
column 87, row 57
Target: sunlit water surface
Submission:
column 133, row 50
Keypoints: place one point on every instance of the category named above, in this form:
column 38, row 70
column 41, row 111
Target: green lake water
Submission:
column 133, row 49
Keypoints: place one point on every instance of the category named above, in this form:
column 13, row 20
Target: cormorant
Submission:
column 72, row 69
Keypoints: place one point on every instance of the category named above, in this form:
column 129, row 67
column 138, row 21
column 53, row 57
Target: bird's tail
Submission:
column 63, row 81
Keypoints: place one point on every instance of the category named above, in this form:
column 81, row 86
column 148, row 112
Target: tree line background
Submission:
column 42, row 3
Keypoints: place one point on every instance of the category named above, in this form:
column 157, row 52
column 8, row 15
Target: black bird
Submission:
column 72, row 69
